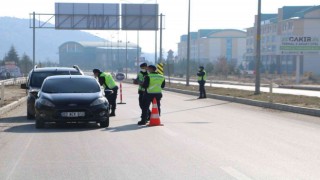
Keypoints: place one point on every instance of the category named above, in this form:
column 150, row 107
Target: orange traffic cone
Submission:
column 155, row 118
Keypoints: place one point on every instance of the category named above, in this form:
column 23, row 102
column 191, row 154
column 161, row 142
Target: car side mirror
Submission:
column 23, row 86
column 108, row 92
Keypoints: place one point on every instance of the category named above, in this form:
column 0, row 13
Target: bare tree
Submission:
column 221, row 66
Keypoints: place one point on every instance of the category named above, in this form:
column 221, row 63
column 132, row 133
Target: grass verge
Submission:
column 295, row 100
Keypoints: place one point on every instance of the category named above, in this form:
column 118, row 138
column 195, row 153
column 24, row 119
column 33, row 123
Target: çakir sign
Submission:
column 300, row 43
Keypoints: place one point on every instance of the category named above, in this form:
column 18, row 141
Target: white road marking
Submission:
column 235, row 173
column 20, row 157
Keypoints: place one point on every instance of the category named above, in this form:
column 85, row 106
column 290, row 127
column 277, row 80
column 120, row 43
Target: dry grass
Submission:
column 302, row 101
column 13, row 93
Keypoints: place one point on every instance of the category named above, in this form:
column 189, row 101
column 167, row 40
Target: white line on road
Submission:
column 235, row 173
column 20, row 157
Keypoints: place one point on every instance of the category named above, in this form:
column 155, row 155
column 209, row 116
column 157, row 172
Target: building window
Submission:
column 229, row 48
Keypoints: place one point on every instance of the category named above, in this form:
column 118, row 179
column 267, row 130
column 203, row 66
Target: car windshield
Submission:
column 37, row 78
column 71, row 85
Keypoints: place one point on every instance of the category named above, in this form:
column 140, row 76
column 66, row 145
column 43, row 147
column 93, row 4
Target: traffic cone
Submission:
column 155, row 118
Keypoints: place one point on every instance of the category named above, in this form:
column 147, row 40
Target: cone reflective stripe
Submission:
column 154, row 118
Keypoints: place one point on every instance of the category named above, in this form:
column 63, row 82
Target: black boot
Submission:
column 142, row 122
column 113, row 113
column 149, row 115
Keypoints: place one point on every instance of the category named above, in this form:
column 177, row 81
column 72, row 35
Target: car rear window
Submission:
column 71, row 85
column 37, row 78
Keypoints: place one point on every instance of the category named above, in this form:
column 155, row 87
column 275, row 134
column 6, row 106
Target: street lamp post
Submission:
column 118, row 55
column 188, row 48
column 258, row 51
column 34, row 40
column 138, row 53
column 127, row 55
column 156, row 43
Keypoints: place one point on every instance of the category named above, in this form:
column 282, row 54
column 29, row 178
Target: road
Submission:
column 248, row 88
column 200, row 139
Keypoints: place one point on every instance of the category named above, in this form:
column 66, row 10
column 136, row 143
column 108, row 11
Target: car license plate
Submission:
column 73, row 114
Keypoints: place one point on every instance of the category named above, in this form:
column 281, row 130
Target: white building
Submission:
column 290, row 36
column 207, row 45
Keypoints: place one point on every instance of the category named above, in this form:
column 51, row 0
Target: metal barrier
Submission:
column 14, row 81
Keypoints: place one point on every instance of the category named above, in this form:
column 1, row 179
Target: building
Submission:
column 9, row 70
column 289, row 37
column 103, row 55
column 207, row 45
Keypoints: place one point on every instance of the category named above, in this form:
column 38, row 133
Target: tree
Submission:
column 12, row 56
column 25, row 64
column 209, row 67
column 221, row 66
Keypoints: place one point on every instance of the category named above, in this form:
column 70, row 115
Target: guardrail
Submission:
column 14, row 81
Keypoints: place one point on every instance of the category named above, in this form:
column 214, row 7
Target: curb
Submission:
column 311, row 88
column 276, row 106
column 12, row 105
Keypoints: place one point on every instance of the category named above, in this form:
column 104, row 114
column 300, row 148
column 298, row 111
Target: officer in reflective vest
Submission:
column 202, row 77
column 140, row 79
column 106, row 80
column 153, row 83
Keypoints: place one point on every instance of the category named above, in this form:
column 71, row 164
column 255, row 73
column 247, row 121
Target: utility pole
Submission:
column 188, row 48
column 156, row 42
column 258, row 51
column 160, row 60
column 34, row 39
column 126, row 55
column 138, row 54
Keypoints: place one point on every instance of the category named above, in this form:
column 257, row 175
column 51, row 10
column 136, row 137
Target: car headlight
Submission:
column 45, row 102
column 98, row 102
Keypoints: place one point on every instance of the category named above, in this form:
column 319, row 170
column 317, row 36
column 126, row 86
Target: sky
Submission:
column 205, row 14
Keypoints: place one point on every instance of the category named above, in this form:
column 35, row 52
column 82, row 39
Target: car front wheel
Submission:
column 104, row 124
column 30, row 116
column 39, row 123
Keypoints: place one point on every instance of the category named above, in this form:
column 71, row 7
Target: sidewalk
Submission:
column 303, row 87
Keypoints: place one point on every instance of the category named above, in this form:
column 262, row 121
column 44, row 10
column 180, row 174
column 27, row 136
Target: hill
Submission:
column 16, row 32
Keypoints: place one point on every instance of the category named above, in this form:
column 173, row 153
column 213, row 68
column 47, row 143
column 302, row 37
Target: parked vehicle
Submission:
column 36, row 78
column 71, row 99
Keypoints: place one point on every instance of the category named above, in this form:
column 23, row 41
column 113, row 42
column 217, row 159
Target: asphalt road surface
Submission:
column 200, row 139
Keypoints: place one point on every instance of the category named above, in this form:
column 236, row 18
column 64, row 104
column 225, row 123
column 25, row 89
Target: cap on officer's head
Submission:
column 201, row 67
column 153, row 67
column 143, row 65
column 96, row 71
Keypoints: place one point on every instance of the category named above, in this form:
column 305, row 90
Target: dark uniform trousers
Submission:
column 112, row 98
column 141, row 94
column 202, row 89
column 147, row 100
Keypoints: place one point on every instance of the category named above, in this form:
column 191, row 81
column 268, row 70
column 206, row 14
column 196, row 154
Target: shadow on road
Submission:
column 127, row 127
column 193, row 99
column 53, row 128
column 202, row 107
column 16, row 119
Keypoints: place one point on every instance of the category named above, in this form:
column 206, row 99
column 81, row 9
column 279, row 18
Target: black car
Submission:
column 71, row 99
column 36, row 78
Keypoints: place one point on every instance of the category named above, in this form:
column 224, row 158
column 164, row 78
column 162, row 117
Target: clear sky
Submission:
column 213, row 14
